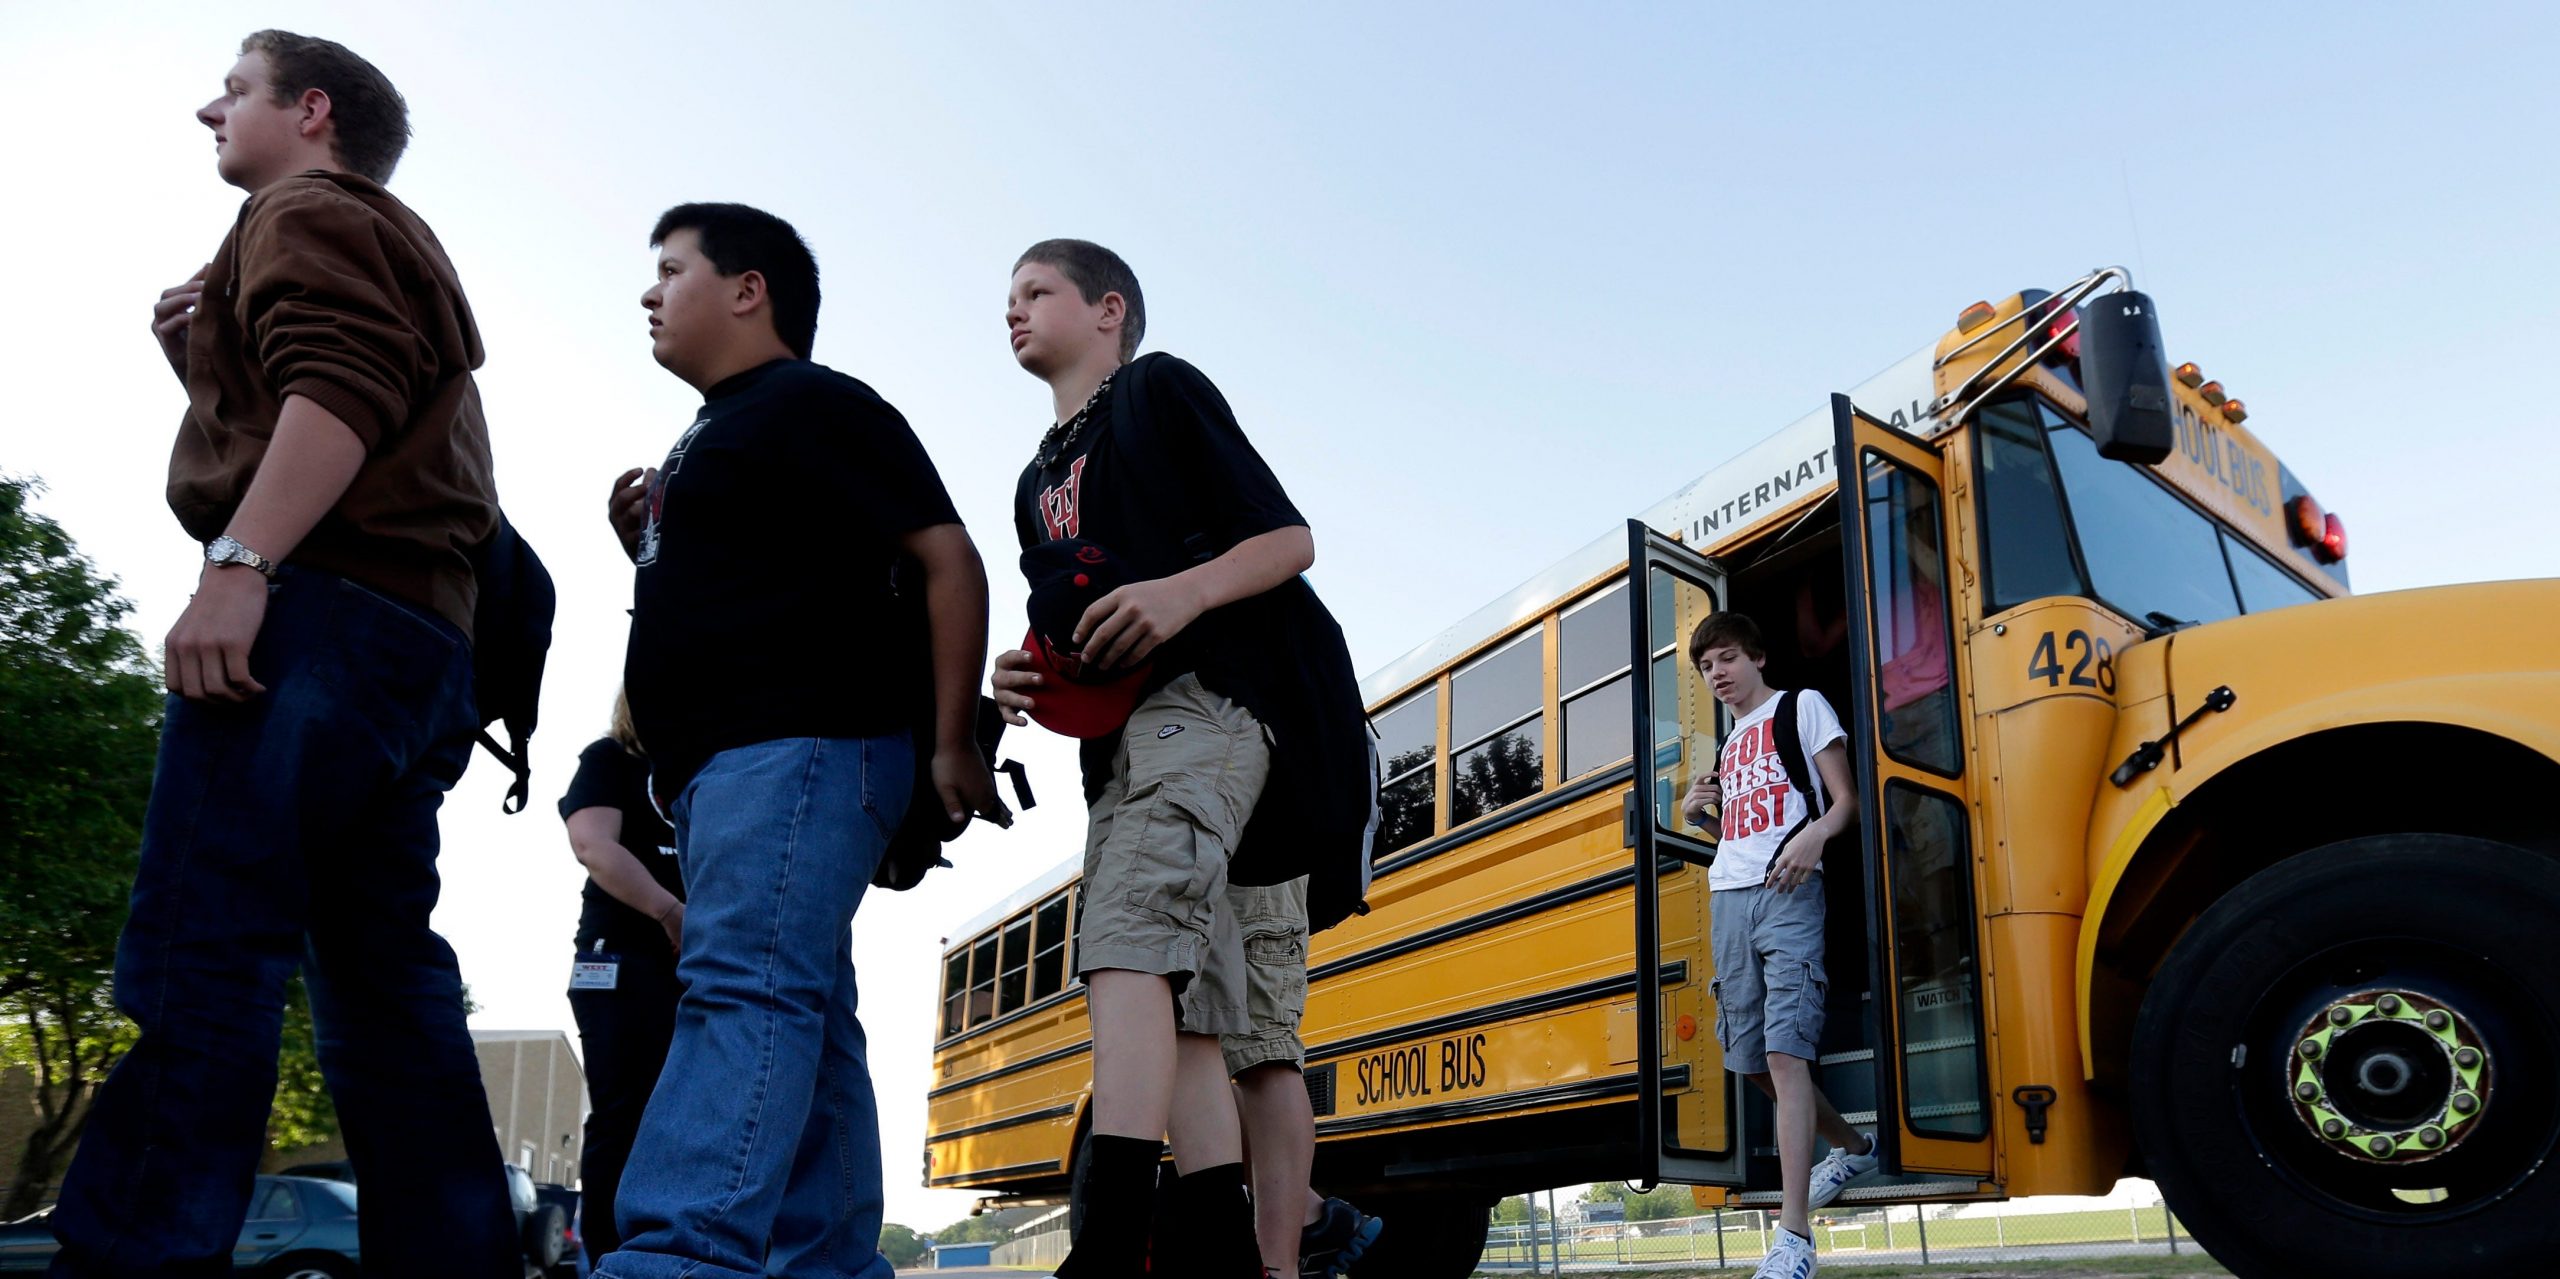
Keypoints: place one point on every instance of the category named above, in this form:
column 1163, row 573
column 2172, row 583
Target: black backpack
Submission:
column 510, row 640
column 1789, row 739
column 1318, row 815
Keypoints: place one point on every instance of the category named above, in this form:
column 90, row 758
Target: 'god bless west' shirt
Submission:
column 1760, row 806
column 763, row 608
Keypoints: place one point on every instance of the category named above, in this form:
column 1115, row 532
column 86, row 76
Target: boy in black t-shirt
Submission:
column 1147, row 463
column 774, row 676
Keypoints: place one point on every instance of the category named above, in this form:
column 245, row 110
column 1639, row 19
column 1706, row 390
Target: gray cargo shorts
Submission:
column 1769, row 982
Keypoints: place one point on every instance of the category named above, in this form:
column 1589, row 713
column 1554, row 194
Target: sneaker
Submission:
column 1836, row 1171
column 1790, row 1257
column 1330, row 1247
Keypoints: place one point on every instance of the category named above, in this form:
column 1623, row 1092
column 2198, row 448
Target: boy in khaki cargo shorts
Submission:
column 1164, row 557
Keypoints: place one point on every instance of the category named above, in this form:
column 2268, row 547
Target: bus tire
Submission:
column 2264, row 1066
column 1426, row 1236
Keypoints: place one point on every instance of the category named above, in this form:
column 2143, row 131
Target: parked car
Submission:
column 298, row 1228
column 542, row 1221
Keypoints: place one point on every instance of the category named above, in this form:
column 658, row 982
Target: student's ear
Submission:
column 316, row 113
column 748, row 292
column 1115, row 312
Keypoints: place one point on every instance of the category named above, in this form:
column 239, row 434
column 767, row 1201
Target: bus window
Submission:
column 982, row 977
column 1408, row 739
column 1013, row 988
column 1934, row 971
column 2151, row 556
column 2263, row 586
column 1496, row 714
column 955, row 991
column 2027, row 543
column 1909, row 573
column 1591, row 669
column 1049, row 949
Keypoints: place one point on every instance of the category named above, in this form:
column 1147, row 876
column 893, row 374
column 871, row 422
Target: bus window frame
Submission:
column 1982, row 512
column 1068, row 988
column 1533, row 631
column 1566, row 697
column 1430, row 690
column 1946, row 613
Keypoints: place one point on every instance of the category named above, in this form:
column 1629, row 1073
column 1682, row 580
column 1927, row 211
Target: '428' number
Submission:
column 2095, row 669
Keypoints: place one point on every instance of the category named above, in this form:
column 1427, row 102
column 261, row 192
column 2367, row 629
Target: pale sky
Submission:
column 1480, row 280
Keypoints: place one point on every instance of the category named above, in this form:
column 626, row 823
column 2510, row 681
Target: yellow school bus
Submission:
column 2174, row 859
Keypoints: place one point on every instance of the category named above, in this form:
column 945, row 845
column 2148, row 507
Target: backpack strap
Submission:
column 1789, row 739
column 519, row 763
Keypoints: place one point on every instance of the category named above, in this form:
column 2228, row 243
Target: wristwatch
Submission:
column 227, row 549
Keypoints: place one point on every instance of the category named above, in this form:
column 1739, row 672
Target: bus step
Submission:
column 1887, row 1189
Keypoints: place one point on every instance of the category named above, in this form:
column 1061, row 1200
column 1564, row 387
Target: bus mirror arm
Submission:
column 2148, row 755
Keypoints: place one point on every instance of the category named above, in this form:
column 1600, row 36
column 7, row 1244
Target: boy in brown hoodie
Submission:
column 334, row 462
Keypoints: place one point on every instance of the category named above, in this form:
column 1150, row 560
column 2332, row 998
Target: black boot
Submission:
column 1119, row 1198
column 1207, row 1229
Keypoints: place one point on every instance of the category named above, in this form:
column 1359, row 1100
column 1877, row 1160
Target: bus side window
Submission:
column 1013, row 989
column 982, row 979
column 1408, row 739
column 955, row 990
column 1049, row 948
column 1496, row 711
column 1591, row 678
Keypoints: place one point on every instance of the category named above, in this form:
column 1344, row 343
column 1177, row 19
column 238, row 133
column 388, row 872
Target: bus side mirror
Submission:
column 2126, row 378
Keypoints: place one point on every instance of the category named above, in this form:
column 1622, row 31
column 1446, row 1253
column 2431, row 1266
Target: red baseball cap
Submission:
column 1066, row 577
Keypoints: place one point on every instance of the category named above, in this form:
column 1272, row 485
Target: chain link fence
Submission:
column 1924, row 1234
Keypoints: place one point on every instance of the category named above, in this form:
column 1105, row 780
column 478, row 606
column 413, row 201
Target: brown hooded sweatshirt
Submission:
column 329, row 288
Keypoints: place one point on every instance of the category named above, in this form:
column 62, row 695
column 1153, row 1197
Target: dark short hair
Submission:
column 738, row 239
column 1718, row 630
column 1095, row 270
column 371, row 118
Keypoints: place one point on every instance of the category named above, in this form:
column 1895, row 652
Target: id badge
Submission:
column 594, row 971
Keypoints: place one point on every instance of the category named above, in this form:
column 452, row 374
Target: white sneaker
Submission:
column 1790, row 1257
column 1835, row 1173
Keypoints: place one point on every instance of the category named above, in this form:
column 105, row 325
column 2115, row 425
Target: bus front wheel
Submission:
column 2346, row 1065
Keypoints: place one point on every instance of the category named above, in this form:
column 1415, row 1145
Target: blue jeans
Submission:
column 761, row 1155
column 296, row 829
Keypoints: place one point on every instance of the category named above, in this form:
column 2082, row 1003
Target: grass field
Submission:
column 1843, row 1236
column 2085, row 1268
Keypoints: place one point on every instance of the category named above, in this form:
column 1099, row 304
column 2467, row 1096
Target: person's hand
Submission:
column 171, row 316
column 962, row 779
column 1797, row 861
column 673, row 922
column 1122, row 628
column 206, row 657
column 1703, row 792
column 1013, row 682
column 628, row 507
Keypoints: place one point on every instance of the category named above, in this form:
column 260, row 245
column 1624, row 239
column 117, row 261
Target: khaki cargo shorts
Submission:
column 1270, row 925
column 1190, row 767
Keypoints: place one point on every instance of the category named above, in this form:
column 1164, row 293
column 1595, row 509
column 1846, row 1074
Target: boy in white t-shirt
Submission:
column 1765, row 916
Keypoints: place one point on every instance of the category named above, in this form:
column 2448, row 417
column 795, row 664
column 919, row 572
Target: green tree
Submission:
column 82, row 706
column 302, row 1115
column 1515, row 1211
column 1661, row 1203
column 901, row 1247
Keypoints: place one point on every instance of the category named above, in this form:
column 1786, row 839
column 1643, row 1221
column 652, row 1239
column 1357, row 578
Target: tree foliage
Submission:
column 900, row 1245
column 1662, row 1203
column 82, row 706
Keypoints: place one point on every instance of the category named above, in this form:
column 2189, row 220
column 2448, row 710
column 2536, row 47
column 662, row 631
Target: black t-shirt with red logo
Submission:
column 1174, row 486
column 764, row 607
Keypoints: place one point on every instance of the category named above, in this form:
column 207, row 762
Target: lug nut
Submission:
column 2431, row 1137
column 2340, row 1016
column 2389, row 1004
column 2466, row 1057
column 2311, row 1049
column 2464, row 1103
column 2380, row 1146
column 2307, row 1090
column 2438, row 1019
column 2333, row 1128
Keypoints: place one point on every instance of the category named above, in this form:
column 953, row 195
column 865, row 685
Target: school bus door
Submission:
column 1907, row 733
column 1687, row 1111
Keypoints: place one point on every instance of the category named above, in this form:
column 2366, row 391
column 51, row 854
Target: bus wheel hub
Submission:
column 2389, row 1076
